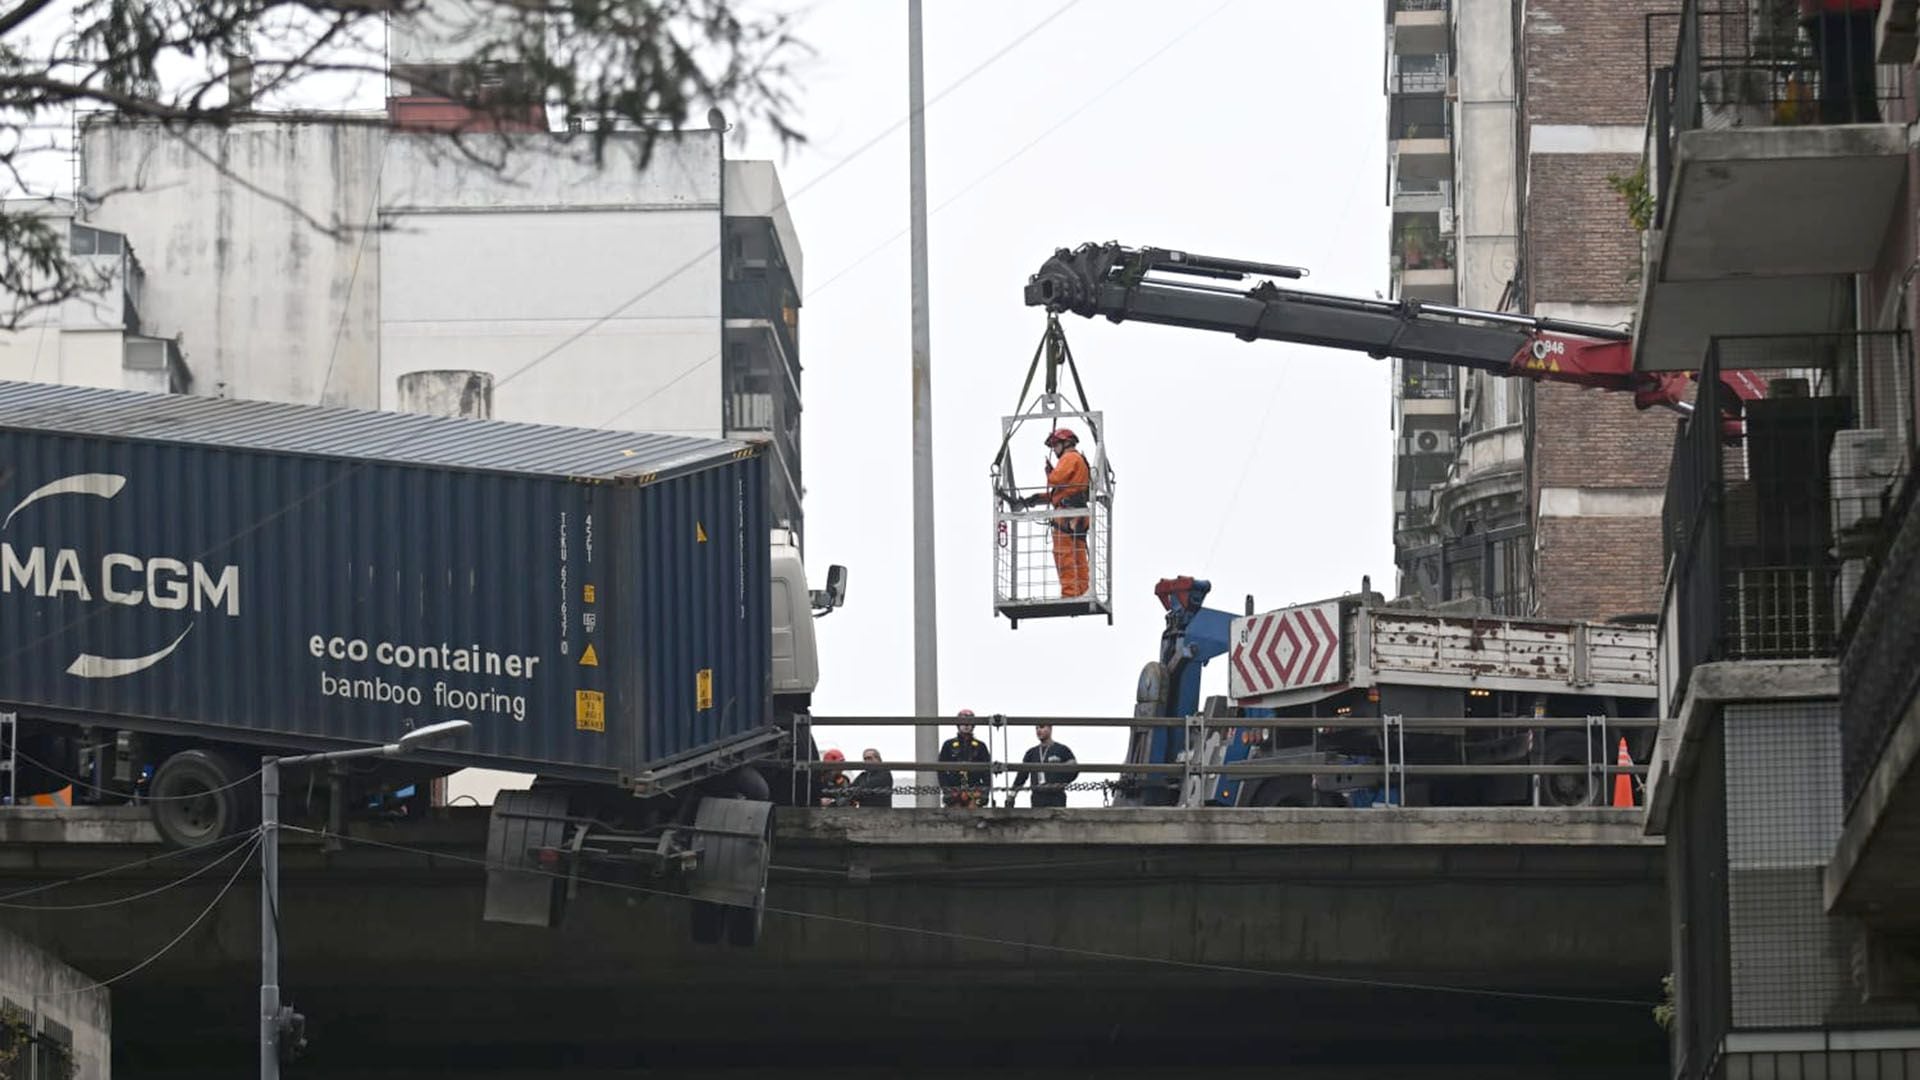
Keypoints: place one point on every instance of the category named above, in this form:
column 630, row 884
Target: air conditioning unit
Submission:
column 1862, row 468
column 1428, row 441
column 1446, row 221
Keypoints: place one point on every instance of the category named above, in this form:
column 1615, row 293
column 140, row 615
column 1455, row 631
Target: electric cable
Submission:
column 177, row 938
column 77, row 782
column 136, row 864
column 117, row 901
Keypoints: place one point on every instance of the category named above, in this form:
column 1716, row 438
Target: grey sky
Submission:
column 1259, row 134
column 1255, row 129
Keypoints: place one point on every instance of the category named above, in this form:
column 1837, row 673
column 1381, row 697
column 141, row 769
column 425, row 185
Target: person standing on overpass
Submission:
column 965, row 787
column 874, row 785
column 1049, row 788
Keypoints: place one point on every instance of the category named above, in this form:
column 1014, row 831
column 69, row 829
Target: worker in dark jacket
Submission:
column 965, row 787
column 874, row 785
column 1842, row 32
column 1049, row 788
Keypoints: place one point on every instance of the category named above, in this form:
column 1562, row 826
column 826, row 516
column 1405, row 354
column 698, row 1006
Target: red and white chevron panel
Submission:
column 1289, row 649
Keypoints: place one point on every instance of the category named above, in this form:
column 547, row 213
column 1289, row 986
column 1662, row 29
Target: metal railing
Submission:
column 1741, row 66
column 1387, row 771
column 1774, row 504
column 1878, row 674
column 1420, row 113
column 1427, row 381
column 1419, row 73
column 1419, row 5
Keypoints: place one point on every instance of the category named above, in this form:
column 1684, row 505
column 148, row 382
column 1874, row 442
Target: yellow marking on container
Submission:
column 586, row 594
column 703, row 688
column 699, row 532
column 589, row 710
column 589, row 658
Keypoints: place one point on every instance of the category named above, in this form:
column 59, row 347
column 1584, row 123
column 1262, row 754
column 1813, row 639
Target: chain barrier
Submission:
column 988, row 794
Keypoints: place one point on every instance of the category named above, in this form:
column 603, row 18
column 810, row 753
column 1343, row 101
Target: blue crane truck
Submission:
column 1356, row 661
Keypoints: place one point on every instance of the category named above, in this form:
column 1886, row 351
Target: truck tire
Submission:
column 1566, row 789
column 197, row 799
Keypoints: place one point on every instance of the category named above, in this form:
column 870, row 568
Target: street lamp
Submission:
column 273, row 1017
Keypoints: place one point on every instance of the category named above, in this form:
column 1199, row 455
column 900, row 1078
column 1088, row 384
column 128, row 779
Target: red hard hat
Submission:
column 833, row 755
column 1062, row 435
column 966, row 712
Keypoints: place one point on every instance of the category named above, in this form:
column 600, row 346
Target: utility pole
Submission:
column 926, row 649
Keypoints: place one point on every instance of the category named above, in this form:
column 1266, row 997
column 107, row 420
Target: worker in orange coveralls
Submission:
column 1069, row 483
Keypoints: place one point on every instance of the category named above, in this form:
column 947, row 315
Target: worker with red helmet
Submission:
column 965, row 787
column 833, row 786
column 1069, row 487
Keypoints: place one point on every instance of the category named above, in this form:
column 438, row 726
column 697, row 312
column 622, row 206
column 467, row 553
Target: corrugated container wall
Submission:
column 595, row 602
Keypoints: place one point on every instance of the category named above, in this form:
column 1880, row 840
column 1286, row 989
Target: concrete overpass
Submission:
column 1505, row 942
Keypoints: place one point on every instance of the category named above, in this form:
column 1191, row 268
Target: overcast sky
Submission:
column 1253, row 129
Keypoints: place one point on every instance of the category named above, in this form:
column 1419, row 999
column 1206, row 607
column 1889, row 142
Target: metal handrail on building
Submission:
column 1745, row 66
column 1880, row 639
column 1776, row 505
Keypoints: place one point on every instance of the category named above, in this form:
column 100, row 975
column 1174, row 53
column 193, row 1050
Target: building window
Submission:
column 84, row 241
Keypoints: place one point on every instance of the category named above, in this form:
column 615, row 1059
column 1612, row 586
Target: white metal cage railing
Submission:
column 1053, row 549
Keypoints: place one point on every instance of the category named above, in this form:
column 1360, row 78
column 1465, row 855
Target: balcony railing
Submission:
column 1419, row 5
column 1425, row 381
column 1420, row 74
column 1878, row 675
column 1735, row 67
column 1774, row 503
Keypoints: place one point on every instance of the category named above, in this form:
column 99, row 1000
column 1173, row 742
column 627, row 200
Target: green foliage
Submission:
column 1638, row 195
column 18, row 1047
column 1664, row 1013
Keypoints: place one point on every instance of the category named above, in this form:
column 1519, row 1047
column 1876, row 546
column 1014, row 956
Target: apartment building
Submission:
column 1510, row 126
column 1778, row 261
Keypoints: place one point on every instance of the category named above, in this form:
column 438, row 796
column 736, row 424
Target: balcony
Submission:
column 1419, row 26
column 1423, row 260
column 1874, row 875
column 1419, row 125
column 1774, row 175
column 1773, row 505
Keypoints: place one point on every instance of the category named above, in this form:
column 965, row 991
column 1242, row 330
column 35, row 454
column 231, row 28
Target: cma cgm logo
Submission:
column 166, row 584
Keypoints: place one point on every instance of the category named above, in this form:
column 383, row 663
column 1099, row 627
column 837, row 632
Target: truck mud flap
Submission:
column 519, row 889
column 735, row 841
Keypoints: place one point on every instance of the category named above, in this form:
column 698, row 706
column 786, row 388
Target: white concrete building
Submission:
column 99, row 338
column 318, row 259
column 66, row 1018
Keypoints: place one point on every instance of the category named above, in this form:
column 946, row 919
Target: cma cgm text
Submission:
column 118, row 578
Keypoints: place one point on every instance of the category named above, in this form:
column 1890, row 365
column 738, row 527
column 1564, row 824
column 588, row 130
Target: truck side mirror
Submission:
column 834, row 595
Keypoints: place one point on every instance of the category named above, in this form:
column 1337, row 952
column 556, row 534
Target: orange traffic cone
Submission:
column 1623, row 782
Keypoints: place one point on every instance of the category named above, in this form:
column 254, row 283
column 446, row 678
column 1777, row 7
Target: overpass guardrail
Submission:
column 1389, row 771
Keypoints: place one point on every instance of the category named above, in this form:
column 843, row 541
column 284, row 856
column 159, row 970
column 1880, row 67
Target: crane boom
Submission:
column 1159, row 285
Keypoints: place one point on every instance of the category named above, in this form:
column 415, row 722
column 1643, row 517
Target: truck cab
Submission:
column 1356, row 662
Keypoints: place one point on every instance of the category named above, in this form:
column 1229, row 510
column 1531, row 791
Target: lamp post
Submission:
column 271, row 1018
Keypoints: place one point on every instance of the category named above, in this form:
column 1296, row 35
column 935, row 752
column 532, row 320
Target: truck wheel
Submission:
column 1566, row 789
column 709, row 919
column 196, row 799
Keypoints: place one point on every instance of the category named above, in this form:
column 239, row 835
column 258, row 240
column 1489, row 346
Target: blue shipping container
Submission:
column 596, row 603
